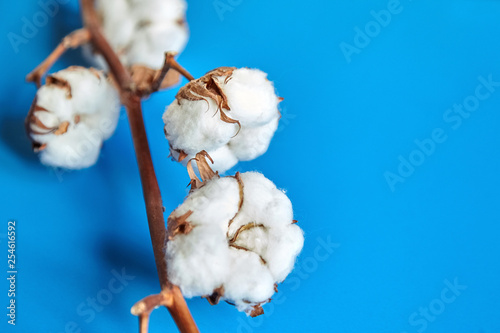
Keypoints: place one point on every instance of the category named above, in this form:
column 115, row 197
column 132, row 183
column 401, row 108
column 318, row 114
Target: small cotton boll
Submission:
column 196, row 126
column 225, row 243
column 240, row 99
column 251, row 97
column 73, row 113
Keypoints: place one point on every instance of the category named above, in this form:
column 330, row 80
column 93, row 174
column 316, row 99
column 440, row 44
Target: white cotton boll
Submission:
column 251, row 97
column 74, row 112
column 195, row 126
column 230, row 245
column 243, row 99
column 253, row 142
column 72, row 150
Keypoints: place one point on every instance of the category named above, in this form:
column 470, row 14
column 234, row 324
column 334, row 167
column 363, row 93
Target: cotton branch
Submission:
column 131, row 98
column 71, row 41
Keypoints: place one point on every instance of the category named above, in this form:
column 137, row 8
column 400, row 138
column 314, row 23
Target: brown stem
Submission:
column 144, row 322
column 131, row 98
column 71, row 41
column 150, row 189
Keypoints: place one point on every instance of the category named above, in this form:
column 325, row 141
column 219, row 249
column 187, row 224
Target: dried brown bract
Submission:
column 208, row 86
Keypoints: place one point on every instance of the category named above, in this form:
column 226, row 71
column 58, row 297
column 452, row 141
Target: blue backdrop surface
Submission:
column 388, row 148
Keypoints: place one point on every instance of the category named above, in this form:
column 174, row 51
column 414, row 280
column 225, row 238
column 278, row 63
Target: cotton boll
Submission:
column 253, row 142
column 225, row 243
column 193, row 126
column 73, row 113
column 251, row 97
column 239, row 97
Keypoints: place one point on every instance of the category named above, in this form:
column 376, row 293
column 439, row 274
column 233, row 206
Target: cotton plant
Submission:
column 234, row 237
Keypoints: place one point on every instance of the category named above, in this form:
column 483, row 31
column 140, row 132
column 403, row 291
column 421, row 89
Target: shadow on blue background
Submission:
column 418, row 253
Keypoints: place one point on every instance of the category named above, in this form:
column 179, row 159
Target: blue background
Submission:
column 345, row 125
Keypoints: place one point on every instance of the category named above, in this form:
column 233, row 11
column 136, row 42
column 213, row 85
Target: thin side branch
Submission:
column 71, row 41
column 170, row 62
column 173, row 300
